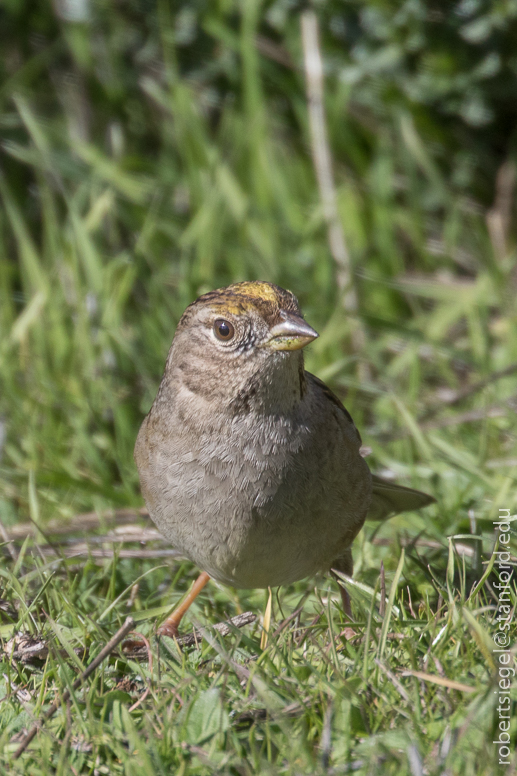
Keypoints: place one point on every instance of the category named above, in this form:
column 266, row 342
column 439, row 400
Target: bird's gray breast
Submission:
column 259, row 504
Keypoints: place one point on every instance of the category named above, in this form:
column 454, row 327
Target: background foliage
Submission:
column 153, row 150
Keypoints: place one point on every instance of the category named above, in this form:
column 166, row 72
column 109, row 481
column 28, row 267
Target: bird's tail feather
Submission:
column 389, row 499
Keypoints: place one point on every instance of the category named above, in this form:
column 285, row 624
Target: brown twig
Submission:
column 223, row 628
column 136, row 651
column 103, row 654
column 24, row 648
column 83, row 548
column 440, row 680
column 79, row 523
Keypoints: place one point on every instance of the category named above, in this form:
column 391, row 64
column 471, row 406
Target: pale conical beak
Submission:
column 291, row 334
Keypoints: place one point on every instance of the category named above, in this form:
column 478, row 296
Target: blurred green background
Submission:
column 151, row 151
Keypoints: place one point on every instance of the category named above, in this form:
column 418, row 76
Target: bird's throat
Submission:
column 276, row 387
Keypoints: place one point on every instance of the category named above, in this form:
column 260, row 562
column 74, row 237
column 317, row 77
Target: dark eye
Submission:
column 223, row 330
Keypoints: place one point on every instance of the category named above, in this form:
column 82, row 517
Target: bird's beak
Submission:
column 291, row 334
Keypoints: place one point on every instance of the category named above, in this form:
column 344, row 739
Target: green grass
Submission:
column 187, row 175
column 309, row 702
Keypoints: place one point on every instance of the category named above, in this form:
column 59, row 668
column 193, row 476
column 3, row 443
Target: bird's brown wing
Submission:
column 388, row 498
column 331, row 396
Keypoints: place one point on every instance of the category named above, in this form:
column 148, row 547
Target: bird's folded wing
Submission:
column 389, row 499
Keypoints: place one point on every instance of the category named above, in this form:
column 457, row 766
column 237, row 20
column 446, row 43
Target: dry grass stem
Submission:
column 323, row 167
column 103, row 654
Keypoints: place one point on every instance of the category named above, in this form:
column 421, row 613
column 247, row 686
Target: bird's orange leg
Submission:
column 170, row 626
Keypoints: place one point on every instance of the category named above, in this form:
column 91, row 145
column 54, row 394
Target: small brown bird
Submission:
column 248, row 464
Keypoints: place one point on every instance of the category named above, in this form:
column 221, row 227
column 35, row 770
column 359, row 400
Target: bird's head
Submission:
column 241, row 341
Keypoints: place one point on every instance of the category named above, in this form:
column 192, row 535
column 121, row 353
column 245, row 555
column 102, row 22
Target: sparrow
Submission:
column 249, row 465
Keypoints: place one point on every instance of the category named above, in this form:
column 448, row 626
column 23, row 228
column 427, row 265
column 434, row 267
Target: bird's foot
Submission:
column 169, row 629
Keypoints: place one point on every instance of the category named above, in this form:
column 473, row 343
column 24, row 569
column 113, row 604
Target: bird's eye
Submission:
column 223, row 330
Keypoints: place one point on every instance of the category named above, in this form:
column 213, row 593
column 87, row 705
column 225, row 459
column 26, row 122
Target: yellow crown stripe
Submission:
column 256, row 289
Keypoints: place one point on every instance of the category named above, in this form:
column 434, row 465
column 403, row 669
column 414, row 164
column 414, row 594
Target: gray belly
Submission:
column 269, row 512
